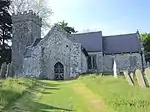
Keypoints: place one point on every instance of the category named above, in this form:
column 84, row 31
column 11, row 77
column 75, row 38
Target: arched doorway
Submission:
column 59, row 71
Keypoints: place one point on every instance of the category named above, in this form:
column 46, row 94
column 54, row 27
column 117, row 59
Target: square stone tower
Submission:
column 26, row 28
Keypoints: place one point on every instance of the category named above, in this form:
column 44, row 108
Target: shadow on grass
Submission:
column 7, row 97
column 52, row 88
column 46, row 108
column 1, row 83
column 46, row 92
column 27, row 103
column 43, row 84
column 38, row 107
column 34, row 92
column 43, row 91
column 24, row 101
column 48, row 84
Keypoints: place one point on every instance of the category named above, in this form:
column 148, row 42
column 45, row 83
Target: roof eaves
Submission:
column 120, row 35
column 86, row 33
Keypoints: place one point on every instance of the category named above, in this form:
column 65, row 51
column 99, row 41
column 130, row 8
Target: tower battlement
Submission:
column 26, row 28
column 27, row 16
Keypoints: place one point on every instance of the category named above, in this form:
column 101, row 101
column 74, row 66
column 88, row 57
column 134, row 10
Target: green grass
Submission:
column 11, row 89
column 86, row 94
column 62, row 96
column 118, row 95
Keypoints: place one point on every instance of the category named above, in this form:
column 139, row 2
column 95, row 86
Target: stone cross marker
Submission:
column 147, row 75
column 3, row 70
column 128, row 78
column 140, row 79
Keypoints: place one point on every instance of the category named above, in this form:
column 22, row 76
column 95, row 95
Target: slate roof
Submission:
column 121, row 43
column 91, row 41
column 95, row 42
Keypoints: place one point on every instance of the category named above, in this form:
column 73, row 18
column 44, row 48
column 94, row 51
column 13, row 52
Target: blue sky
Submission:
column 109, row 16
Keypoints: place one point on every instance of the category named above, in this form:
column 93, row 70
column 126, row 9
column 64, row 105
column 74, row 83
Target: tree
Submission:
column 64, row 25
column 5, row 31
column 41, row 7
column 145, row 37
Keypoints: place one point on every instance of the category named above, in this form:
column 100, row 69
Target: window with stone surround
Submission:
column 92, row 62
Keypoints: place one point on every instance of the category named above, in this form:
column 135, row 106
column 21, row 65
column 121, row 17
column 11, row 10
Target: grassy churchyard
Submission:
column 86, row 94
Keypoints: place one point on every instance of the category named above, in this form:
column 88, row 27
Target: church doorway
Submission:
column 59, row 71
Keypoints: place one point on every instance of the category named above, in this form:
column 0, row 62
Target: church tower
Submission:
column 26, row 28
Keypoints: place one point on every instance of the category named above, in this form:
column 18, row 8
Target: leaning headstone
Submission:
column 147, row 75
column 128, row 78
column 132, row 76
column 3, row 70
column 140, row 78
column 9, row 70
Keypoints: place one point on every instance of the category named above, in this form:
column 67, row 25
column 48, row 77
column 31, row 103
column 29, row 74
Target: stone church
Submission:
column 60, row 55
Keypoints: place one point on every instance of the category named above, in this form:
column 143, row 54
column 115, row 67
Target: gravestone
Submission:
column 147, row 75
column 128, row 78
column 132, row 76
column 140, row 79
column 147, row 64
column 3, row 70
column 9, row 70
column 115, row 69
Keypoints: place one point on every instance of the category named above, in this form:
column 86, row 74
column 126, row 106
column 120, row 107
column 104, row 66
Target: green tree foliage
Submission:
column 64, row 25
column 5, row 31
column 146, row 41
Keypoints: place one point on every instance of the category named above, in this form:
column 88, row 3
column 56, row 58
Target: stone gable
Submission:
column 55, row 47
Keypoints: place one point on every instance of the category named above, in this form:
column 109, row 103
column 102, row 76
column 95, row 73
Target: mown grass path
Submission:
column 62, row 96
column 91, row 99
